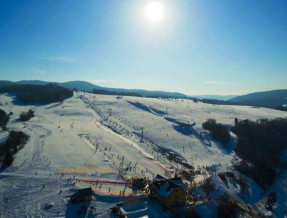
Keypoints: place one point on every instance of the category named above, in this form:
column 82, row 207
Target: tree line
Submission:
column 14, row 142
column 31, row 94
column 261, row 143
column 106, row 92
column 4, row 118
column 219, row 131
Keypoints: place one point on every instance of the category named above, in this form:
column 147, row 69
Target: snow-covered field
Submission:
column 98, row 136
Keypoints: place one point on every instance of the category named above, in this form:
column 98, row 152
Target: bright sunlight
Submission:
column 154, row 12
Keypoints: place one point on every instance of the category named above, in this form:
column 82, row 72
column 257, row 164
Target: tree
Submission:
column 4, row 118
column 25, row 116
column 261, row 143
column 219, row 131
column 30, row 113
column 235, row 121
column 8, row 159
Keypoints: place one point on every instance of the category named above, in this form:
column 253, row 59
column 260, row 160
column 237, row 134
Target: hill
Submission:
column 273, row 98
column 112, row 140
column 31, row 94
column 5, row 83
column 80, row 85
column 216, row 97
column 89, row 87
column 33, row 82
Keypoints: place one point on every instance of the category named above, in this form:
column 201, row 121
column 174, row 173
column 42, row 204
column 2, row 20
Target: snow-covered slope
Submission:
column 99, row 137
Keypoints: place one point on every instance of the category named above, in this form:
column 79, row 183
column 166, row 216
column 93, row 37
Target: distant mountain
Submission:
column 4, row 83
column 89, row 87
column 215, row 97
column 272, row 98
column 148, row 93
column 33, row 82
column 80, row 85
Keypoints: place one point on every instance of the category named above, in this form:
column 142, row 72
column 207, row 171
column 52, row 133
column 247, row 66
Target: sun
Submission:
column 154, row 12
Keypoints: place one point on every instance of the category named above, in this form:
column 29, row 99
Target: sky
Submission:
column 225, row 47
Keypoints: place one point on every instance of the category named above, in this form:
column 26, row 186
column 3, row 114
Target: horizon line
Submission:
column 191, row 95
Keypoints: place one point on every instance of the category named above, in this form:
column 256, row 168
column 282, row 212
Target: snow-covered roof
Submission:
column 158, row 178
column 166, row 186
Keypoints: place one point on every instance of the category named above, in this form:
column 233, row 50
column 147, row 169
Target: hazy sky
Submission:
column 199, row 47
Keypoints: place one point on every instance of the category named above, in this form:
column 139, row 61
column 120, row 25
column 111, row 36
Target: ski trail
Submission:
column 135, row 145
column 103, row 127
column 142, row 151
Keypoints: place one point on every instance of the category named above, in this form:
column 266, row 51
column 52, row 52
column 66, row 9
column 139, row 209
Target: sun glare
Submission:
column 154, row 12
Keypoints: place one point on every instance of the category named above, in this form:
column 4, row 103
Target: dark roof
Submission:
column 166, row 186
column 139, row 180
column 158, row 178
column 82, row 193
column 178, row 181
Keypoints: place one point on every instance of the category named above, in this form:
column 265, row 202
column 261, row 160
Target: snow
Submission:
column 3, row 137
column 144, row 208
column 98, row 135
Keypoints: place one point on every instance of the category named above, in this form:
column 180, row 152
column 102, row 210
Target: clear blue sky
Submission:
column 199, row 47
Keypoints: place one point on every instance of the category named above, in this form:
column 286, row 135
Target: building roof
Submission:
column 158, row 178
column 80, row 193
column 165, row 190
column 178, row 181
column 166, row 186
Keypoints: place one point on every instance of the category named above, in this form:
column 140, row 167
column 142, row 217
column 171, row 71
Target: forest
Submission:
column 13, row 144
column 31, row 94
column 261, row 143
column 219, row 131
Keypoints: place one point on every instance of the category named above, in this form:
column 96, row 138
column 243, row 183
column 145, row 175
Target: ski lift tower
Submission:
column 142, row 129
column 166, row 111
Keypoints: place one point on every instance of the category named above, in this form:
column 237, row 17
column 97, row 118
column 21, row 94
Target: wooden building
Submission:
column 169, row 192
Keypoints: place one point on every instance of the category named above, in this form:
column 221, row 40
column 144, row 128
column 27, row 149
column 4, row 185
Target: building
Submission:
column 82, row 195
column 139, row 184
column 169, row 192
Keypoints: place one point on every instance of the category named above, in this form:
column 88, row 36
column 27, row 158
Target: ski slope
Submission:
column 98, row 136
